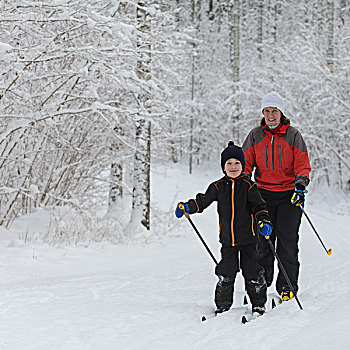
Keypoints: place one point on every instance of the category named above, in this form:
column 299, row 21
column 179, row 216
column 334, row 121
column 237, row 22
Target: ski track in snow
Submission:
column 153, row 297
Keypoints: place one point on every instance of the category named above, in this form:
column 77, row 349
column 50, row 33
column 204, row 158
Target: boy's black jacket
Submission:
column 239, row 201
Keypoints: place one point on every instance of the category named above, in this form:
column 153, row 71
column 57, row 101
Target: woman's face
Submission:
column 272, row 116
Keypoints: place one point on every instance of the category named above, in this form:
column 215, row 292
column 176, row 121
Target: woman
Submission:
column 279, row 155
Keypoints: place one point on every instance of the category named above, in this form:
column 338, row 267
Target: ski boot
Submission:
column 287, row 294
column 258, row 310
column 221, row 309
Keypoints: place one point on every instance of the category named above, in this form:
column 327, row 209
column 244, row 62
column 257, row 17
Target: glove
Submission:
column 298, row 197
column 265, row 227
column 180, row 209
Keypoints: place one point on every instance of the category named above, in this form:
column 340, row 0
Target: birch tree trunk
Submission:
column 141, row 205
column 234, row 38
column 115, row 200
column 141, row 197
column 195, row 63
column 260, row 29
column 330, row 36
column 234, row 34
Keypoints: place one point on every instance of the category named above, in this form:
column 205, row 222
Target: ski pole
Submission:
column 283, row 271
column 328, row 251
column 181, row 206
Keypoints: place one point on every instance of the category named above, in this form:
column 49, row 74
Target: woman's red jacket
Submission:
column 279, row 156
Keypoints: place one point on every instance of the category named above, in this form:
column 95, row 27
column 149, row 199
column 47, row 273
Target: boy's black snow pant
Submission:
column 286, row 219
column 232, row 259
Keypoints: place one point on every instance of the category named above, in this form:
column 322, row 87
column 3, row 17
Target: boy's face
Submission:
column 233, row 167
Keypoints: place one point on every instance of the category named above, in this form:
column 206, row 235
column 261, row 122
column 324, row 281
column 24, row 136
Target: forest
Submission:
column 94, row 93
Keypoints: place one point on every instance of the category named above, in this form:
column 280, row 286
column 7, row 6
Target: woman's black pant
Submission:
column 286, row 219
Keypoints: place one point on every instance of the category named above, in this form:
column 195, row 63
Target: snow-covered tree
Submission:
column 92, row 91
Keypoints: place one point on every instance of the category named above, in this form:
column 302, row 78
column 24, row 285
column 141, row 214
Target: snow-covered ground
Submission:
column 153, row 297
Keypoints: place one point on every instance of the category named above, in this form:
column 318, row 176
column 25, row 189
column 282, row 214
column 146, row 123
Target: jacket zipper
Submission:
column 273, row 151
column 280, row 155
column 233, row 212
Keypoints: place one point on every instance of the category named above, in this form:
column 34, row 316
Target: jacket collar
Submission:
column 236, row 178
column 281, row 129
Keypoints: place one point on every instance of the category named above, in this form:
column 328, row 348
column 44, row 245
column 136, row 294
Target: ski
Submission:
column 221, row 314
column 208, row 317
column 247, row 317
column 251, row 317
column 213, row 315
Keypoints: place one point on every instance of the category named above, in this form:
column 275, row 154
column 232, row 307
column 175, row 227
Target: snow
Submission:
column 4, row 47
column 103, row 296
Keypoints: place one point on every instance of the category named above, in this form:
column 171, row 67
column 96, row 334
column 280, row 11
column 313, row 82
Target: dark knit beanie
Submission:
column 232, row 151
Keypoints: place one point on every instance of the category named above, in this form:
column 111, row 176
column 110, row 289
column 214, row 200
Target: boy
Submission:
column 239, row 205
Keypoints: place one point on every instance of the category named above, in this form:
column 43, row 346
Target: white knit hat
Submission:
column 273, row 99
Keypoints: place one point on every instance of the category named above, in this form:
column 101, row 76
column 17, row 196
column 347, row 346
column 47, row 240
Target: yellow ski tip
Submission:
column 329, row 251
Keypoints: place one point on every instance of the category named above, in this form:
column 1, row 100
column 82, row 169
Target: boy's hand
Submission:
column 180, row 209
column 265, row 227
